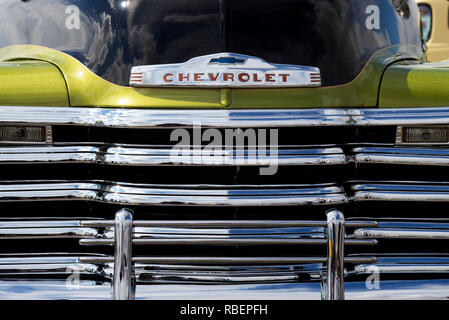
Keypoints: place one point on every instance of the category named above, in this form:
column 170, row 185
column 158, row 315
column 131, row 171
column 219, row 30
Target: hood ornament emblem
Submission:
column 225, row 70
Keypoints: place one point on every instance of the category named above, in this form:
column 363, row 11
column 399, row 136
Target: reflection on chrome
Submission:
column 123, row 287
column 263, row 118
column 207, row 195
column 335, row 255
column 246, row 240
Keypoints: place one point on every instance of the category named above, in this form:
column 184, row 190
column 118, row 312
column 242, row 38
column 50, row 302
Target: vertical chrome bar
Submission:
column 123, row 280
column 335, row 255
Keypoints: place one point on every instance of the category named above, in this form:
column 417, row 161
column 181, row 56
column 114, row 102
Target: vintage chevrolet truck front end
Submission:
column 218, row 149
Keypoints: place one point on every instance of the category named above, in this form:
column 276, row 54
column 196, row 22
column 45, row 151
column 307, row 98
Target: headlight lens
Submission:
column 25, row 134
column 422, row 135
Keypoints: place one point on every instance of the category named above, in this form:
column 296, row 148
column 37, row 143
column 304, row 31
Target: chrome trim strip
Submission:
column 401, row 159
column 335, row 255
column 400, row 116
column 141, row 194
column 226, row 232
column 228, row 260
column 11, row 259
column 166, row 118
column 231, row 190
column 300, row 268
column 156, row 156
column 284, row 150
column 188, row 232
column 431, row 224
column 24, row 269
column 400, row 155
column 50, row 264
column 150, row 274
column 47, row 233
column 225, row 241
column 400, row 234
column 415, row 186
column 52, row 154
column 186, row 278
column 280, row 160
column 400, row 196
column 17, row 222
column 169, row 118
column 123, row 281
column 219, row 195
column 283, row 157
column 404, row 268
column 226, row 223
column 401, row 191
column 262, row 200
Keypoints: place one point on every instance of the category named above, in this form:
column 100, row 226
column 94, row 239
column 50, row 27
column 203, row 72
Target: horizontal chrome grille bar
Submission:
column 169, row 118
column 218, row 195
column 401, row 155
column 43, row 258
column 228, row 260
column 10, row 223
column 386, row 228
column 48, row 233
column 167, row 231
column 226, row 223
column 46, row 228
column 206, row 195
column 148, row 273
column 50, row 264
column 423, row 263
column 284, row 156
column 157, row 156
column 225, row 241
column 227, row 270
column 405, row 229
column 401, row 191
column 405, row 268
column 400, row 234
column 49, row 154
column 238, row 269
column 401, row 196
column 221, row 278
column 49, row 269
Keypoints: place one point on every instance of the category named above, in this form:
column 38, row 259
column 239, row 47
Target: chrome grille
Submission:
column 227, row 225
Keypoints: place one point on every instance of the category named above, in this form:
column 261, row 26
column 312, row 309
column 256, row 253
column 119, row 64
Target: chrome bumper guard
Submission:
column 125, row 269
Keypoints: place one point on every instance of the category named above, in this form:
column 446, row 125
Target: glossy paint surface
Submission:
column 114, row 35
column 32, row 83
column 411, row 84
column 88, row 90
column 331, row 35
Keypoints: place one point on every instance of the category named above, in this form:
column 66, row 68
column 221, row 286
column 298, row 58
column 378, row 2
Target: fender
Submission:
column 32, row 83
